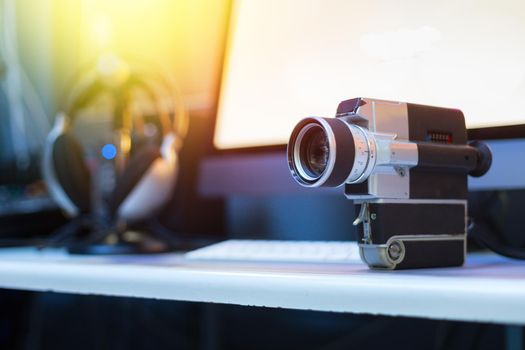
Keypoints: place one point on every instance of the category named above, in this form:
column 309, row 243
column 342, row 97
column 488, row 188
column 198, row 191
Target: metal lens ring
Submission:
column 321, row 152
column 365, row 154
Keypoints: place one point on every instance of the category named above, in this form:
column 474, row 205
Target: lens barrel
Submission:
column 321, row 152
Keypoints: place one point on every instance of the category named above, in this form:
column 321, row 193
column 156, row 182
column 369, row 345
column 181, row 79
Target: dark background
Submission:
column 59, row 321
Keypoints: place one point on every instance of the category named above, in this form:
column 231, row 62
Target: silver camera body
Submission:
column 405, row 166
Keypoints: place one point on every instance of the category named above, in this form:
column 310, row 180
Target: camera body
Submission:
column 405, row 166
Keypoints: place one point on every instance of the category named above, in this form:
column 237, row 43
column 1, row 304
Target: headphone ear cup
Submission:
column 71, row 171
column 135, row 170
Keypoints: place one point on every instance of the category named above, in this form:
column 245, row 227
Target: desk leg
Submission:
column 210, row 330
column 513, row 338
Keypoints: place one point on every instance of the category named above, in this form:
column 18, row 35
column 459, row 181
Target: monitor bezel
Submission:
column 504, row 132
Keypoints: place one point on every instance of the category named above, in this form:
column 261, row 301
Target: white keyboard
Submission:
column 278, row 252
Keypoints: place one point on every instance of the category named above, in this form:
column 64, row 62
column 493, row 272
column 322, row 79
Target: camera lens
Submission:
column 314, row 151
column 313, row 158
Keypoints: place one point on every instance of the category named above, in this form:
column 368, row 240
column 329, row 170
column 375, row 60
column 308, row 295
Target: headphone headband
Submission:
column 93, row 84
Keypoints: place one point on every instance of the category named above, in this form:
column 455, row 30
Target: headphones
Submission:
column 148, row 172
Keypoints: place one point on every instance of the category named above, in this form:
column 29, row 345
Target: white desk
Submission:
column 488, row 288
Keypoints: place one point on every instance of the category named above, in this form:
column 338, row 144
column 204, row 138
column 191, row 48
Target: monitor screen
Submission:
column 287, row 60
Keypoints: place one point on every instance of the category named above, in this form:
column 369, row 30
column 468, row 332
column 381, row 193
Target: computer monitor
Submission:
column 287, row 60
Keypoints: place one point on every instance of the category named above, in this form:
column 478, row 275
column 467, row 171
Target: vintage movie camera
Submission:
column 405, row 166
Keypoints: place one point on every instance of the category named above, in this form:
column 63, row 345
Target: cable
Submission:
column 490, row 242
column 63, row 233
column 487, row 235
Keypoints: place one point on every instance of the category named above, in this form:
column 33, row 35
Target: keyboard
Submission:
column 278, row 252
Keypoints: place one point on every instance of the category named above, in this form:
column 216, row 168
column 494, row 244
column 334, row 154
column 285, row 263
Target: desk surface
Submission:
column 488, row 288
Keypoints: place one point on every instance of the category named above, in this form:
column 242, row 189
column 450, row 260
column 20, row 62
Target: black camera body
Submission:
column 405, row 166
